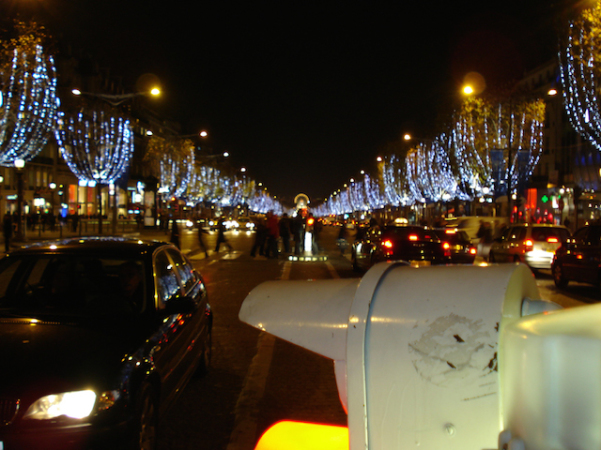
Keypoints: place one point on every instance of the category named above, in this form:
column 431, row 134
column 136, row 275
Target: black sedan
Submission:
column 579, row 258
column 459, row 244
column 98, row 336
column 414, row 244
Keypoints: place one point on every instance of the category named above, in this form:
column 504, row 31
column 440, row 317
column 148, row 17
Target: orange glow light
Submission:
column 446, row 245
column 413, row 237
column 387, row 244
column 288, row 435
column 553, row 240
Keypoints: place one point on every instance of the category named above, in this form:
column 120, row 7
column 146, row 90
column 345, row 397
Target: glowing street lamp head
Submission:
column 468, row 90
column 203, row 133
column 155, row 91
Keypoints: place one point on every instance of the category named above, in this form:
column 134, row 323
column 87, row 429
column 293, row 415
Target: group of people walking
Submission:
column 272, row 232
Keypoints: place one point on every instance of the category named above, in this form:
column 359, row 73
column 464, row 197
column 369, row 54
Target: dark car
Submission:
column 98, row 337
column 579, row 258
column 414, row 244
column 459, row 245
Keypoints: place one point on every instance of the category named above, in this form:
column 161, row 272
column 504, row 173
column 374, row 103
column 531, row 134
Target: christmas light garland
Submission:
column 96, row 147
column 28, row 110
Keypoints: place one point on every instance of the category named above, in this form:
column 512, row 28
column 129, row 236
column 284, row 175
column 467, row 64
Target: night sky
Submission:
column 304, row 94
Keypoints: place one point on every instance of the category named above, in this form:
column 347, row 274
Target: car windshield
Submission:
column 409, row 233
column 454, row 237
column 69, row 285
column 544, row 233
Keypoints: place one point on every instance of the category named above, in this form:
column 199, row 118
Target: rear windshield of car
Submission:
column 455, row 237
column 544, row 233
column 71, row 285
column 408, row 233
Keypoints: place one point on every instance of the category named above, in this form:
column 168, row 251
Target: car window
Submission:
column 407, row 232
column 8, row 268
column 517, row 233
column 543, row 234
column 184, row 270
column 594, row 236
column 72, row 285
column 580, row 235
column 168, row 285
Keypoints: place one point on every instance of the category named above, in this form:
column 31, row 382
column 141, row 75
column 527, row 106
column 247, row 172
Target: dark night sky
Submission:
column 303, row 94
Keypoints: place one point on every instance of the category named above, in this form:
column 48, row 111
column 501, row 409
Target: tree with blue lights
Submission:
column 580, row 62
column 28, row 100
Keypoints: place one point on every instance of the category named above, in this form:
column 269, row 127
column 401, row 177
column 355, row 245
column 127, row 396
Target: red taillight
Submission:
column 528, row 245
column 413, row 237
column 446, row 245
column 473, row 250
column 387, row 243
column 552, row 240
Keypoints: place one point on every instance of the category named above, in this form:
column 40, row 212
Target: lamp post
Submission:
column 19, row 165
column 117, row 99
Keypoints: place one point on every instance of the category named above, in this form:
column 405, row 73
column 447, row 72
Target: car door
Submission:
column 365, row 248
column 587, row 255
column 172, row 348
column 194, row 326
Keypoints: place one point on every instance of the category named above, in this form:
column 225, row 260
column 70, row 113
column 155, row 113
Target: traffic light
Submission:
column 457, row 357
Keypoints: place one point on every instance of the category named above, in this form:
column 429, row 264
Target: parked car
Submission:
column 98, row 337
column 579, row 258
column 533, row 244
column 459, row 244
column 414, row 244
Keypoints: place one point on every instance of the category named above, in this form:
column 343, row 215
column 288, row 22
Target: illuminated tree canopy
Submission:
column 580, row 62
column 97, row 146
column 28, row 101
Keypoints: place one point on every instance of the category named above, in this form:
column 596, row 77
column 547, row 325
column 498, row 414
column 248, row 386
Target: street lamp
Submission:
column 19, row 165
column 117, row 99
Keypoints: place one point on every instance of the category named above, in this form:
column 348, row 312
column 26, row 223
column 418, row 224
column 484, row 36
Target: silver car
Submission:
column 533, row 244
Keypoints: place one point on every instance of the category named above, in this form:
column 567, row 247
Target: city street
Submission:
column 257, row 380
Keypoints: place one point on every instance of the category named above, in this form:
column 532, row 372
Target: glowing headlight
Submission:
column 76, row 405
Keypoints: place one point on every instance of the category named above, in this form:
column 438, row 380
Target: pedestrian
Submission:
column 341, row 241
column 317, row 229
column 221, row 237
column 260, row 238
column 7, row 230
column 273, row 234
column 175, row 234
column 298, row 225
column 201, row 242
column 285, row 232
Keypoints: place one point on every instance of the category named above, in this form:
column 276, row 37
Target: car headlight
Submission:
column 76, row 405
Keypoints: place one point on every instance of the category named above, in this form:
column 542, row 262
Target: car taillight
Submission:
column 552, row 240
column 413, row 237
column 446, row 246
column 473, row 251
column 387, row 243
column 528, row 245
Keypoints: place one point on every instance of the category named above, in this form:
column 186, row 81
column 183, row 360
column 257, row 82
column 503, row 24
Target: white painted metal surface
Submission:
column 415, row 348
column 551, row 380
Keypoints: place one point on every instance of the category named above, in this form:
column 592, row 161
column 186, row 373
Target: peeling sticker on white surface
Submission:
column 454, row 351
